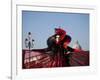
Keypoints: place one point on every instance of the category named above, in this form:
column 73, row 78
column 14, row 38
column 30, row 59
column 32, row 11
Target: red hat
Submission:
column 60, row 31
column 67, row 38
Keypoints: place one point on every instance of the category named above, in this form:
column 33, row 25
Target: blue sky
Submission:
column 42, row 24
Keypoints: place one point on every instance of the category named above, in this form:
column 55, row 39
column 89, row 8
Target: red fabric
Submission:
column 77, row 50
column 60, row 31
column 57, row 60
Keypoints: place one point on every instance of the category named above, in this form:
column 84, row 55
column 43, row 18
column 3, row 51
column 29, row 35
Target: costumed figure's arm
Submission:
column 72, row 49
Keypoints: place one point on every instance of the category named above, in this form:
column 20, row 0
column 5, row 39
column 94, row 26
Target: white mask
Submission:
column 57, row 38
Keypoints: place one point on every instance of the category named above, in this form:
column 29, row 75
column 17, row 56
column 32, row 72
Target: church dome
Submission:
column 77, row 45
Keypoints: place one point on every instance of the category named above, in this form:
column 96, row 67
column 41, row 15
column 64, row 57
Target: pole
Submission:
column 29, row 53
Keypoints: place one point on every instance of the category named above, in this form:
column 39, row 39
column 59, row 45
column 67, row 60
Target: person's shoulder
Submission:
column 51, row 37
column 67, row 38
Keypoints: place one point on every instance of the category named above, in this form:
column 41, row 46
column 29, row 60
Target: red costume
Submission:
column 58, row 48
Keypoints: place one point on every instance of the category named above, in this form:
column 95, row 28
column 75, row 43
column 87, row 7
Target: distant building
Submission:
column 77, row 45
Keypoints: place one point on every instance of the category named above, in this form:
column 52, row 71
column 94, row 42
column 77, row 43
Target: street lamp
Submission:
column 29, row 44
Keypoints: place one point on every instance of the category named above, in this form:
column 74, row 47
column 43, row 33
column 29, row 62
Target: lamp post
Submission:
column 29, row 44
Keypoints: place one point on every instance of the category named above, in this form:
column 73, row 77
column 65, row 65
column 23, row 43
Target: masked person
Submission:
column 59, row 40
column 58, row 44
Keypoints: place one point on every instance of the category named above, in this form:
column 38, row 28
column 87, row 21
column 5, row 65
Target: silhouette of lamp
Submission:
column 29, row 43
